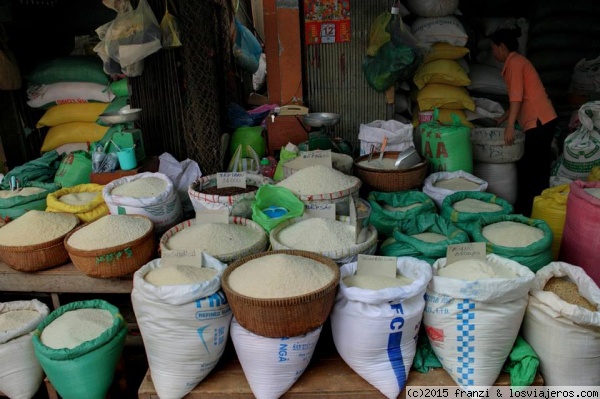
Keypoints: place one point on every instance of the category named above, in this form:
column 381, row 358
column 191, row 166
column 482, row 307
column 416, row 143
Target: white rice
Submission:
column 318, row 179
column 318, row 235
column 430, row 237
column 457, row 184
column 471, row 205
column 376, row 283
column 472, row 269
column 400, row 208
column 24, row 192
column 512, row 234
column 141, row 188
column 109, row 231
column 15, row 319
column 593, row 191
column 78, row 199
column 36, row 227
column 75, row 327
column 385, row 163
column 179, row 275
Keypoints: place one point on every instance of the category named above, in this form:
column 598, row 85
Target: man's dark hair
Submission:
column 508, row 37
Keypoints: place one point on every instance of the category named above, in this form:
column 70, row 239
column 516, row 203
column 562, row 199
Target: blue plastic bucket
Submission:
column 127, row 159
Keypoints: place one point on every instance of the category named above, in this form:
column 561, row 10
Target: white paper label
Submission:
column 189, row 257
column 231, row 179
column 326, row 211
column 316, row 157
column 373, row 265
column 468, row 250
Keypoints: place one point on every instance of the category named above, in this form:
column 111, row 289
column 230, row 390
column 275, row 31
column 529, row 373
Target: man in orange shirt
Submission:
column 532, row 109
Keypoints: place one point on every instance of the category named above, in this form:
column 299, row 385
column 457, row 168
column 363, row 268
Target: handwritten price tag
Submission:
column 231, row 179
column 469, row 250
column 317, row 157
column 190, row 257
column 372, row 265
column 326, row 211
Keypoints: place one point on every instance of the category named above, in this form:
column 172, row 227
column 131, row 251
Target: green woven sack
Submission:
column 534, row 256
column 87, row 370
column 71, row 68
column 403, row 244
column 271, row 195
column 386, row 220
column 14, row 207
column 460, row 218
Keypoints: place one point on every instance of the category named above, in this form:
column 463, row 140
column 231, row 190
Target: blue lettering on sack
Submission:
column 283, row 353
column 393, row 348
column 213, row 301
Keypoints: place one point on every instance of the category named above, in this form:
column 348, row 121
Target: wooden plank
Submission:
column 62, row 279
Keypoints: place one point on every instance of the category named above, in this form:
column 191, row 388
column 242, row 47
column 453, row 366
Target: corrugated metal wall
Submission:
column 334, row 77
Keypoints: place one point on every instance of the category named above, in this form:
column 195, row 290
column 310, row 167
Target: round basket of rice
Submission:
column 281, row 293
column 34, row 241
column 225, row 242
column 383, row 176
column 112, row 246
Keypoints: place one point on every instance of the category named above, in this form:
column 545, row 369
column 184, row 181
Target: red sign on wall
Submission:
column 327, row 21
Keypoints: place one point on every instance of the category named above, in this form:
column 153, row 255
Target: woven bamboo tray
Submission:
column 389, row 180
column 282, row 317
column 116, row 261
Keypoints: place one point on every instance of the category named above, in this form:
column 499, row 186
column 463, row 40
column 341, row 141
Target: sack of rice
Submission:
column 79, row 346
column 551, row 207
column 20, row 372
column 150, row 194
column 184, row 320
column 14, row 204
column 439, row 185
column 388, row 209
column 272, row 365
column 341, row 162
column 205, row 195
column 84, row 200
column 473, row 314
column 465, row 207
column 226, row 242
column 524, row 240
column 425, row 237
column 375, row 322
column 562, row 324
column 335, row 239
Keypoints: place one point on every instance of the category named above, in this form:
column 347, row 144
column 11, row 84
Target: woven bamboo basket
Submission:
column 116, row 261
column 390, row 180
column 282, row 317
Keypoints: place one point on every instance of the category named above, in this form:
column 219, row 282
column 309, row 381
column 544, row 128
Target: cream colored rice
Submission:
column 318, row 235
column 473, row 269
column 400, row 208
column 78, row 199
column 179, row 275
column 471, row 205
column 375, row 283
column 457, row 184
column 384, row 164
column 15, row 319
column 75, row 327
column 593, row 191
column 24, row 192
column 512, row 234
column 318, row 179
column 216, row 239
column 429, row 237
column 279, row 276
column 141, row 188
column 36, row 227
column 109, row 231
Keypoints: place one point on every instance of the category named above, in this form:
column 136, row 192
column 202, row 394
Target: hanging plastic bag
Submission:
column 170, row 29
column 240, row 164
column 246, row 49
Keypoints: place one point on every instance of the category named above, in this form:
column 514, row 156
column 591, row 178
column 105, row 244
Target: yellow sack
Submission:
column 444, row 51
column 76, row 112
column 551, row 206
column 92, row 210
column 594, row 174
column 439, row 95
column 441, row 71
column 444, row 117
column 72, row 132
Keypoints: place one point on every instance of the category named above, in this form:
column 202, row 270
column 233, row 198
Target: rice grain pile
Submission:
column 78, row 199
column 75, row 327
column 318, row 179
column 14, row 319
column 471, row 205
column 376, row 283
column 457, row 184
column 24, row 192
column 430, row 237
column 384, row 164
column 141, row 188
column 512, row 234
column 400, row 208
column 318, row 235
column 593, row 191
column 279, row 276
column 109, row 231
column 568, row 292
column 215, row 238
column 179, row 275
column 472, row 269
column 36, row 227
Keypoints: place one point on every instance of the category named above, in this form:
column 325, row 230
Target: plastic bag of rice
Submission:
column 109, row 231
column 37, row 227
column 465, row 207
column 441, row 184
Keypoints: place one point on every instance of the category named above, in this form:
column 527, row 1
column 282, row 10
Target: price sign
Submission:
column 212, row 216
column 326, row 211
column 190, row 257
column 231, row 179
column 372, row 265
column 469, row 250
column 316, row 157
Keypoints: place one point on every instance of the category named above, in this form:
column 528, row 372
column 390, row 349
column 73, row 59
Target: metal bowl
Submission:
column 122, row 116
column 321, row 119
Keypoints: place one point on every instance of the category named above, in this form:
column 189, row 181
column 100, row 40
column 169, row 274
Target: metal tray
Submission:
column 122, row 116
column 321, row 119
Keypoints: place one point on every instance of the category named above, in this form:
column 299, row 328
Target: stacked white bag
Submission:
column 438, row 194
column 20, row 372
column 472, row 325
column 375, row 332
column 566, row 337
column 184, row 328
column 272, row 365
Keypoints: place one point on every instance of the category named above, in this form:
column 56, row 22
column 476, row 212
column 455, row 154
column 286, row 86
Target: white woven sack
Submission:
column 184, row 328
column 439, row 194
column 47, row 95
column 375, row 332
column 272, row 365
column 164, row 210
column 432, row 8
column 182, row 174
column 399, row 135
column 20, row 372
column 446, row 29
column 501, row 179
column 565, row 337
column 472, row 325
column 488, row 145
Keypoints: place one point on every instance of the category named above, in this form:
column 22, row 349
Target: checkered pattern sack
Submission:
column 472, row 325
